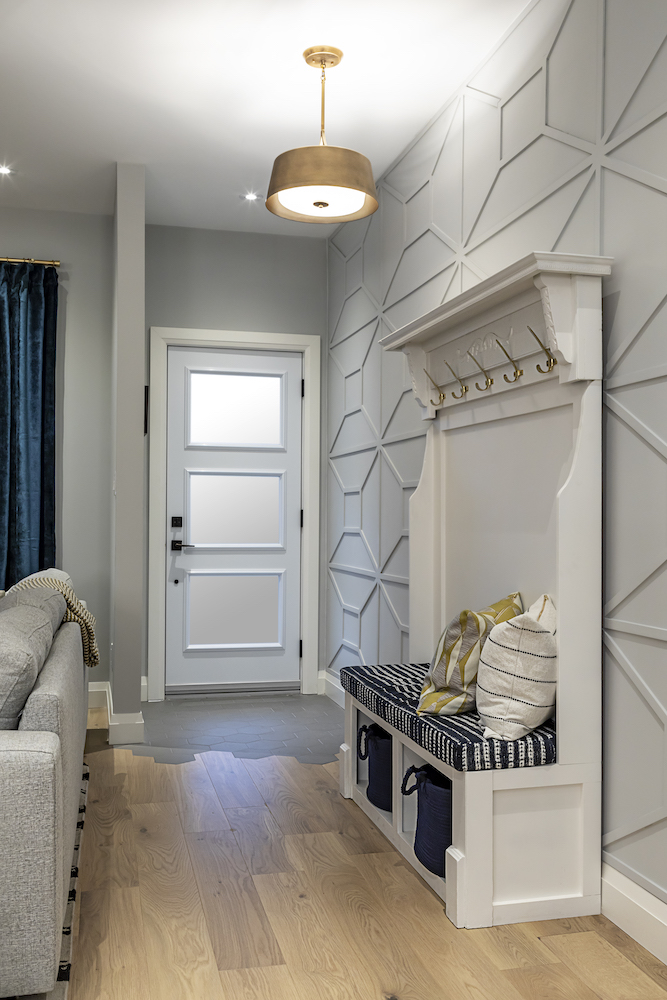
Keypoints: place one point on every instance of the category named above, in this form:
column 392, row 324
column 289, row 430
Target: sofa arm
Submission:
column 30, row 861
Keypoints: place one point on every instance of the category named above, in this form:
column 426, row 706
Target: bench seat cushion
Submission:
column 392, row 691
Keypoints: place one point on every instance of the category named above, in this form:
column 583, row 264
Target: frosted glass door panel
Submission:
column 234, row 609
column 229, row 409
column 228, row 509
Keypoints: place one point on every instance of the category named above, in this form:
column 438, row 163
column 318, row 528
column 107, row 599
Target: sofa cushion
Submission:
column 449, row 686
column 516, row 683
column 25, row 640
column 49, row 600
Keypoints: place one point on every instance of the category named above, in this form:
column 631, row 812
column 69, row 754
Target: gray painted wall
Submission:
column 213, row 280
column 556, row 143
column 84, row 245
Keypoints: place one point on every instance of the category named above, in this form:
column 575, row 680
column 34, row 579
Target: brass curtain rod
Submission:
column 30, row 260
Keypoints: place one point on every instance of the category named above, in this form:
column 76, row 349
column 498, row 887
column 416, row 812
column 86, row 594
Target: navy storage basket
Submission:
column 434, row 815
column 374, row 744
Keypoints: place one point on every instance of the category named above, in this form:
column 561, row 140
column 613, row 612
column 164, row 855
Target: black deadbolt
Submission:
column 177, row 522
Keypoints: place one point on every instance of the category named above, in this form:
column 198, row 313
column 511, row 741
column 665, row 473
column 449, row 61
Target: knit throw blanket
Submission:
column 75, row 613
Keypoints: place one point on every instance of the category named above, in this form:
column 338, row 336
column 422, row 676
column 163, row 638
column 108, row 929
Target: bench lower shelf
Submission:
column 525, row 841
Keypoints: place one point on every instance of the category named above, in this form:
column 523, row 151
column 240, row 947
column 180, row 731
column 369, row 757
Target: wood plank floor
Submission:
column 224, row 879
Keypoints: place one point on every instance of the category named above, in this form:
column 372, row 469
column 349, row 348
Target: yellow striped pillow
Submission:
column 449, row 686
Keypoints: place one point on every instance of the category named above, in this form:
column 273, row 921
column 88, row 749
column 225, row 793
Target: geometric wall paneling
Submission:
column 646, row 149
column 418, row 213
column 406, row 420
column 335, row 513
column 421, row 260
column 397, row 565
column 646, row 23
column 636, row 494
column 392, row 639
column 370, row 510
column 345, row 657
column 352, row 470
column 351, row 628
column 560, row 185
column 393, row 237
column 396, row 595
column 353, row 272
column 427, row 296
column 643, row 408
column 526, row 177
column 354, row 588
column 540, row 225
column 448, row 179
column 642, row 251
column 334, row 630
column 353, row 391
column 371, row 383
column 406, row 459
column 372, row 257
column 369, row 628
column 632, row 800
column 573, row 71
column 354, row 432
column 522, row 116
column 336, row 266
column 481, row 154
column 391, row 511
column 408, row 175
column 523, row 50
column 357, row 311
column 352, row 553
column 581, row 233
column 649, row 95
column 348, row 238
column 395, row 379
column 352, row 510
column 351, row 352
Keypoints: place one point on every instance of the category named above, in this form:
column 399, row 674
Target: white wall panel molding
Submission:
column 568, row 156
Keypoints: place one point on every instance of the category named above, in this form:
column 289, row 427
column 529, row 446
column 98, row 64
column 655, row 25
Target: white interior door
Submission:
column 233, row 519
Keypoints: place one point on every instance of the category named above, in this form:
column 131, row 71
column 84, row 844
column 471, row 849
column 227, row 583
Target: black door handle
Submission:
column 177, row 545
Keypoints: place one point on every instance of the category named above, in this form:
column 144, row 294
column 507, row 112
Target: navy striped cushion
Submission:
column 392, row 691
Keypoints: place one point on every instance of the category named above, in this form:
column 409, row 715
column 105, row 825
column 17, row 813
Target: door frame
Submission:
column 309, row 346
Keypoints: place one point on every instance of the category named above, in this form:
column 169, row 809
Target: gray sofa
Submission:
column 40, row 784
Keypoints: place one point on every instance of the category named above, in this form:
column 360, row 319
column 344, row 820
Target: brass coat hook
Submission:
column 464, row 388
column 518, row 372
column 551, row 360
column 441, row 394
column 489, row 380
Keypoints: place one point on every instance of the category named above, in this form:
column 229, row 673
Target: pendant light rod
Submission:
column 323, row 140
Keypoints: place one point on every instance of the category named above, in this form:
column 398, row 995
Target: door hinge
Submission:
column 303, row 387
column 146, row 391
column 300, row 649
column 301, row 520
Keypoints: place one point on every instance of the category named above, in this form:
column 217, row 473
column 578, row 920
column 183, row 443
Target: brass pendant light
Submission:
column 322, row 183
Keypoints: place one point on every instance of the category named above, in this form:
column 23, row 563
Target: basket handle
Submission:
column 418, row 772
column 363, row 732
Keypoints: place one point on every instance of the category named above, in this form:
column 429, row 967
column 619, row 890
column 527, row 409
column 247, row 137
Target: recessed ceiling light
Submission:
column 251, row 197
column 5, row 170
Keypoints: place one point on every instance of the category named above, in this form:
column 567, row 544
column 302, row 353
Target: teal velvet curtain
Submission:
column 28, row 312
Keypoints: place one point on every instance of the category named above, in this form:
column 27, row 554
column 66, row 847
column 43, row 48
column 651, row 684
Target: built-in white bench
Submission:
column 509, row 499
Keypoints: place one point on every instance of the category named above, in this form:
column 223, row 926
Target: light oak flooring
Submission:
column 227, row 879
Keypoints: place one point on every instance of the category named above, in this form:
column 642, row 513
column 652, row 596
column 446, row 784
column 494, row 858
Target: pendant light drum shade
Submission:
column 322, row 184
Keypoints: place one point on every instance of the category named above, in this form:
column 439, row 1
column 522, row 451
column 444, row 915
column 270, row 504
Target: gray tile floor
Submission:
column 308, row 727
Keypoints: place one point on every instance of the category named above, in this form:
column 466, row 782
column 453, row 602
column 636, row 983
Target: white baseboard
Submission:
column 333, row 690
column 124, row 727
column 635, row 910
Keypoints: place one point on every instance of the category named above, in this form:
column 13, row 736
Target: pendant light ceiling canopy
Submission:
column 322, row 183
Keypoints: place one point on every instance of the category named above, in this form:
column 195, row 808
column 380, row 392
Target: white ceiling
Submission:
column 206, row 93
